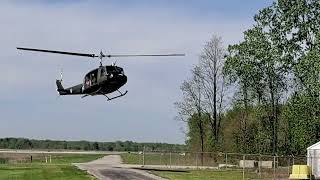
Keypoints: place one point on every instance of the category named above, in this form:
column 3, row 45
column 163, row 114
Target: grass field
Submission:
column 59, row 168
column 164, row 159
column 201, row 175
column 187, row 159
column 158, row 159
column 131, row 158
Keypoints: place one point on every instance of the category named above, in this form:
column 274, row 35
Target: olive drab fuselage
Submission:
column 100, row 81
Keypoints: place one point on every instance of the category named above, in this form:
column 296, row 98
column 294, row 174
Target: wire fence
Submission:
column 252, row 166
column 22, row 158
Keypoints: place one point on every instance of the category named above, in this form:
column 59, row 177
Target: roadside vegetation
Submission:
column 201, row 175
column 59, row 168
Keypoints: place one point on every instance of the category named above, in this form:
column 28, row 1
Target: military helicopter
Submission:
column 100, row 81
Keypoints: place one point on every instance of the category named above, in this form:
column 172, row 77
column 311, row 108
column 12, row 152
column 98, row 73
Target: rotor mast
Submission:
column 100, row 57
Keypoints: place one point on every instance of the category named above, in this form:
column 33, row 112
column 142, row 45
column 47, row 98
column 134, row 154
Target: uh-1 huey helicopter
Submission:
column 100, row 81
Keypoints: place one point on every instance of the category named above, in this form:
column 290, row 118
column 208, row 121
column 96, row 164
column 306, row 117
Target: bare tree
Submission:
column 191, row 106
column 211, row 66
column 203, row 95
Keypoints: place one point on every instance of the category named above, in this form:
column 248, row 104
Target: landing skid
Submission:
column 121, row 94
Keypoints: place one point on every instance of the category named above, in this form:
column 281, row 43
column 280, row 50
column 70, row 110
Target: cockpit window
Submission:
column 91, row 78
column 114, row 70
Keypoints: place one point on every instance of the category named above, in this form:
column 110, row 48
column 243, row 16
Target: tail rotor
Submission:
column 60, row 88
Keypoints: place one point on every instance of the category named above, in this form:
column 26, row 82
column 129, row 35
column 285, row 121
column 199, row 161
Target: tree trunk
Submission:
column 245, row 99
column 273, row 119
column 215, row 100
column 201, row 130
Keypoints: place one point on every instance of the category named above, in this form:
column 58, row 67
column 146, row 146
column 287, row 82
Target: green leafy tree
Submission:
column 282, row 46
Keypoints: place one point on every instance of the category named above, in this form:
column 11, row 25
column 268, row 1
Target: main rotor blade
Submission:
column 135, row 55
column 58, row 52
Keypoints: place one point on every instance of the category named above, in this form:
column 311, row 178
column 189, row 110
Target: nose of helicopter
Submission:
column 123, row 79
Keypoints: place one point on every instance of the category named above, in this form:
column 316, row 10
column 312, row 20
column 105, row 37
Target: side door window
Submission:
column 93, row 77
column 87, row 81
column 102, row 72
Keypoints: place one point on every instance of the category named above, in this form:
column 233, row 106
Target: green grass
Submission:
column 188, row 159
column 60, row 168
column 42, row 171
column 71, row 158
column 131, row 158
column 157, row 159
column 201, row 175
column 151, row 159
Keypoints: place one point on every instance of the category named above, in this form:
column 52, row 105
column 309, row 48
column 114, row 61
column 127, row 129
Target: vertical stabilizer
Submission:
column 60, row 88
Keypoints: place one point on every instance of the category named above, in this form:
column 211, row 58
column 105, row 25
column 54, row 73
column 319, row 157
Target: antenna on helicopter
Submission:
column 61, row 74
column 114, row 63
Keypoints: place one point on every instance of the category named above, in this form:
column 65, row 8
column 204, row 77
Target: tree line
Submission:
column 23, row 143
column 261, row 95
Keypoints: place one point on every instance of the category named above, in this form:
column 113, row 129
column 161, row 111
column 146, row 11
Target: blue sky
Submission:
column 29, row 104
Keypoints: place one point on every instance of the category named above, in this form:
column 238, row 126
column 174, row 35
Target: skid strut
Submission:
column 91, row 94
column 121, row 94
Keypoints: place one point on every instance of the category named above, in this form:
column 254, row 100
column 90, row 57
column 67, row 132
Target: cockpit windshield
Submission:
column 120, row 70
column 114, row 70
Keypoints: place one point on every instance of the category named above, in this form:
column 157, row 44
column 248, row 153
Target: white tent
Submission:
column 313, row 159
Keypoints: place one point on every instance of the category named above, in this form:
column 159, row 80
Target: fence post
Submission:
column 185, row 159
column 311, row 163
column 259, row 166
column 143, row 163
column 289, row 166
column 170, row 158
column 292, row 160
column 195, row 154
column 243, row 165
column 274, row 167
column 226, row 160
